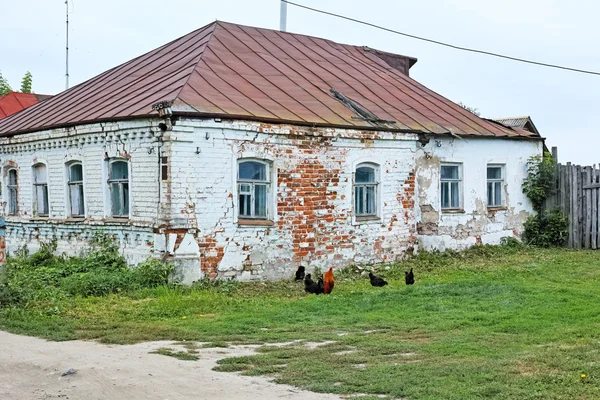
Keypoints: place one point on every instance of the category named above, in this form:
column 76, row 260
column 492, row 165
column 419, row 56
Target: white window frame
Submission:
column 71, row 184
column 12, row 202
column 43, row 186
column 501, row 181
column 459, row 206
column 374, row 184
column 120, row 182
column 251, row 183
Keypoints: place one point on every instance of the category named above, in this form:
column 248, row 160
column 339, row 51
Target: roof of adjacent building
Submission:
column 525, row 123
column 14, row 102
column 225, row 70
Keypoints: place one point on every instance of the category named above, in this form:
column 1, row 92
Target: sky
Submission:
column 562, row 104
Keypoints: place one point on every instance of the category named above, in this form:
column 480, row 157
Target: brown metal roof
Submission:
column 234, row 71
column 525, row 123
column 14, row 102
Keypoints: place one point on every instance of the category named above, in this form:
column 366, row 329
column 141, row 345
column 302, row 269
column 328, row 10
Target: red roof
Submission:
column 239, row 72
column 14, row 102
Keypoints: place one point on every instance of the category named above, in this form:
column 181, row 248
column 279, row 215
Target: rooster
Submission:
column 376, row 281
column 409, row 277
column 300, row 273
column 328, row 281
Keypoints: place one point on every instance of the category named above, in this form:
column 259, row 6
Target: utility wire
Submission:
column 442, row 43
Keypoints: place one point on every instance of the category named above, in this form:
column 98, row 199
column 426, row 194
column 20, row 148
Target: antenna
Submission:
column 67, row 48
column 283, row 16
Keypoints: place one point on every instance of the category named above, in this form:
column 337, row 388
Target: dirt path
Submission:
column 31, row 369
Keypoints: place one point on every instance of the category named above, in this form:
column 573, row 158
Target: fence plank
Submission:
column 588, row 208
column 580, row 205
column 594, row 214
column 571, row 241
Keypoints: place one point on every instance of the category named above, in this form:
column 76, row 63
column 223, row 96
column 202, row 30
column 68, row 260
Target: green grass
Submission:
column 491, row 323
column 180, row 355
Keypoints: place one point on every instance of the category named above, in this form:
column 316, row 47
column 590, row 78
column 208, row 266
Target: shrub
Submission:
column 46, row 277
column 546, row 229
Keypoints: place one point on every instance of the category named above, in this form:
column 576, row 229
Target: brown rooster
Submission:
column 328, row 281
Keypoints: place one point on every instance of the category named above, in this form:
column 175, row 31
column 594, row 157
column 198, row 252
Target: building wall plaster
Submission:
column 476, row 223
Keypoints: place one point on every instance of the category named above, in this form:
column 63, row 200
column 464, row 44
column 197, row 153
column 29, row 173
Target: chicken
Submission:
column 409, row 277
column 310, row 286
column 320, row 286
column 376, row 281
column 328, row 281
column 300, row 273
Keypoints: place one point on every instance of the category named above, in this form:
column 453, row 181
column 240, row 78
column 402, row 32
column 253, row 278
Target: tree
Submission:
column 470, row 109
column 4, row 86
column 26, row 83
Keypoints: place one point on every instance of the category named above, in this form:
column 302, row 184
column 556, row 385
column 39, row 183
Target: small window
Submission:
column 451, row 186
column 76, row 190
column 164, row 168
column 40, row 191
column 495, row 183
column 365, row 191
column 12, row 187
column 253, row 189
column 118, row 183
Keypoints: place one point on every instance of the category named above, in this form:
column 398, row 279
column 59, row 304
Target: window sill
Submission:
column 116, row 220
column 38, row 218
column 255, row 222
column 453, row 211
column 498, row 208
column 367, row 218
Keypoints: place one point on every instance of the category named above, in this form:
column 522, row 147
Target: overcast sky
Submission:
column 564, row 105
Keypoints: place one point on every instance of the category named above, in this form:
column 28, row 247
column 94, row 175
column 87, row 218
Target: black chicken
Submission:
column 376, row 281
column 310, row 286
column 300, row 273
column 409, row 277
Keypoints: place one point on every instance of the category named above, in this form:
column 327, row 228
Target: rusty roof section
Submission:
column 14, row 102
column 525, row 123
column 232, row 71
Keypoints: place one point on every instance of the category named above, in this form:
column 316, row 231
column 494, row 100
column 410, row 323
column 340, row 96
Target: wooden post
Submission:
column 570, row 202
column 594, row 214
column 580, row 207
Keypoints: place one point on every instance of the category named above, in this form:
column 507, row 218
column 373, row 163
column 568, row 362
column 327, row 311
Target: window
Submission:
column 118, row 183
column 365, row 191
column 253, row 189
column 451, row 186
column 495, row 182
column 40, row 191
column 75, row 184
column 12, row 192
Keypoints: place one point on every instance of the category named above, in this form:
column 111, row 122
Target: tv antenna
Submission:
column 67, row 49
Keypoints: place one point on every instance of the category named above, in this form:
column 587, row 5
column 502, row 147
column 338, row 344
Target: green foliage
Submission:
column 540, row 181
column 4, row 86
column 26, row 83
column 546, row 229
column 47, row 278
column 470, row 109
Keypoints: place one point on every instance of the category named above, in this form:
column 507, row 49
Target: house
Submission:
column 242, row 152
column 14, row 102
column 525, row 123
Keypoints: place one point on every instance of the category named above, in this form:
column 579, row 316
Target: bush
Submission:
column 45, row 277
column 546, row 229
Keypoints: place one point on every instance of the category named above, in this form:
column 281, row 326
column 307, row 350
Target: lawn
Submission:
column 490, row 323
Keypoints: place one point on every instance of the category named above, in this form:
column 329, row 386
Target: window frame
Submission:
column 501, row 181
column 460, row 180
column 251, row 192
column 10, row 188
column 123, row 199
column 375, row 185
column 70, row 184
column 45, row 191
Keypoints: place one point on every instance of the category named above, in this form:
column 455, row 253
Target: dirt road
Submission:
column 31, row 368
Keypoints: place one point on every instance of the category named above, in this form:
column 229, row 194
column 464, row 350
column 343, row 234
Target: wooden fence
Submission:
column 578, row 197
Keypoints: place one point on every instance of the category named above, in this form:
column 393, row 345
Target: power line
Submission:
column 442, row 43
